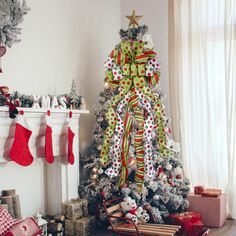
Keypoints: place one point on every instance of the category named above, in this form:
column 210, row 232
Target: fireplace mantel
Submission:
column 61, row 178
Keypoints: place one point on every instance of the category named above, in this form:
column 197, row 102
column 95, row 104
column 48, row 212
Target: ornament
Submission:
column 106, row 85
column 148, row 44
column 178, row 176
column 168, row 166
column 133, row 19
column 165, row 199
column 131, row 161
column 36, row 100
column 156, row 197
column 95, row 176
column 2, row 51
column 100, row 171
column 45, row 102
column 160, row 170
column 102, row 194
column 172, row 145
column 178, row 171
column 164, row 177
column 153, row 185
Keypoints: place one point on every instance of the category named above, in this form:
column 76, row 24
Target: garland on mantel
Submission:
column 65, row 101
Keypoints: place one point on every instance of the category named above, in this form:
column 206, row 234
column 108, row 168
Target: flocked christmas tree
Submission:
column 73, row 96
column 133, row 152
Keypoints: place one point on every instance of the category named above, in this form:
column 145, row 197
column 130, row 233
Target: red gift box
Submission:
column 190, row 221
column 198, row 189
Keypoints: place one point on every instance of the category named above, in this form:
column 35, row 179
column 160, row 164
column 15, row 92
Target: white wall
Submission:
column 61, row 41
column 155, row 14
column 29, row 184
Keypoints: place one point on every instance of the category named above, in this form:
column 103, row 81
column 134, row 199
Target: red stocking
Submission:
column 20, row 152
column 48, row 139
column 71, row 135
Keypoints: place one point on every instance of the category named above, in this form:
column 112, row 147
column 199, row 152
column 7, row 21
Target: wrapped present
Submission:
column 212, row 209
column 198, row 189
column 75, row 208
column 69, row 227
column 82, row 227
column 191, row 223
column 85, row 226
column 84, row 206
column 211, row 193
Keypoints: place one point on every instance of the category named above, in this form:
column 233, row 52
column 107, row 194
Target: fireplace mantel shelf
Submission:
column 42, row 110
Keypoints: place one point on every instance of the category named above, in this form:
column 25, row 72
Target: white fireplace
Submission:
column 41, row 185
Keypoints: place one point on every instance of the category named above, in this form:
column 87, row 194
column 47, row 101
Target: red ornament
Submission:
column 102, row 193
column 178, row 177
column 160, row 170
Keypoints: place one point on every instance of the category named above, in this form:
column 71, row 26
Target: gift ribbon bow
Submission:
column 132, row 58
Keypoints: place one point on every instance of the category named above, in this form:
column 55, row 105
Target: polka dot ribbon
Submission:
column 131, row 55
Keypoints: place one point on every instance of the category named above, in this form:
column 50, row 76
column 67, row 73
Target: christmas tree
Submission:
column 73, row 96
column 133, row 153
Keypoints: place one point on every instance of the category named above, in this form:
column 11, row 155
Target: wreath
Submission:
column 11, row 14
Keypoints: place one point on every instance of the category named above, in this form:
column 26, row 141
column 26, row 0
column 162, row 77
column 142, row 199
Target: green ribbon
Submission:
column 132, row 58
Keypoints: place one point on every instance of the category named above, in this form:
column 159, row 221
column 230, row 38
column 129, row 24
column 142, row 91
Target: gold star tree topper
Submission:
column 133, row 19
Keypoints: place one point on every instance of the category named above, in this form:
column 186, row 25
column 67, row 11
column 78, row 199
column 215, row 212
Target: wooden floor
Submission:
column 229, row 229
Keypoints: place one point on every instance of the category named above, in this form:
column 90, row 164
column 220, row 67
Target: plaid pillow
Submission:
column 6, row 221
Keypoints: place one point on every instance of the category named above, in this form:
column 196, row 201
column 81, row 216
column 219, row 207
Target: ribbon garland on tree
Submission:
column 131, row 68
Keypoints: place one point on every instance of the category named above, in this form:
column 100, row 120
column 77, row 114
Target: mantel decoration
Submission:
column 13, row 100
column 11, row 15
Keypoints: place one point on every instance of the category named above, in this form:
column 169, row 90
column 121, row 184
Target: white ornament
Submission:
column 178, row 171
column 82, row 105
column 100, row 171
column 106, row 85
column 36, row 101
column 168, row 166
column 156, row 197
column 171, row 144
column 54, row 103
column 176, row 147
column 62, row 102
column 153, row 185
column 148, row 41
column 45, row 102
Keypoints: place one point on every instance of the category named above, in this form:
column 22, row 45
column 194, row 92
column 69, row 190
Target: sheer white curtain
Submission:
column 202, row 47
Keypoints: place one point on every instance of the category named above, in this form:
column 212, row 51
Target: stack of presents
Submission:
column 74, row 220
column 78, row 222
column 207, row 208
